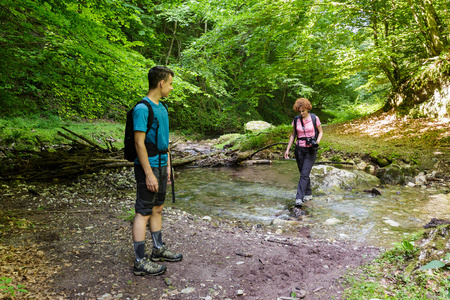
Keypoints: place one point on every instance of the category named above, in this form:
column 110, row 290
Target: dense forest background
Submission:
column 234, row 60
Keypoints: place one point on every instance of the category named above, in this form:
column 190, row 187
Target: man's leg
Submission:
column 155, row 225
column 160, row 251
column 139, row 228
column 144, row 209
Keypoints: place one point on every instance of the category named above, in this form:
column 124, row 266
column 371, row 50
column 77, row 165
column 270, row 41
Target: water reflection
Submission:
column 257, row 193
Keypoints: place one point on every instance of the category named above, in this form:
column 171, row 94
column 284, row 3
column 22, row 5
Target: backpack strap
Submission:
column 150, row 115
column 295, row 127
column 314, row 121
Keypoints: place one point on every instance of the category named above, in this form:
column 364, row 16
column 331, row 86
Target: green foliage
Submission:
column 234, row 61
column 264, row 138
column 128, row 214
column 407, row 247
column 23, row 133
column 228, row 139
column 9, row 289
column 353, row 111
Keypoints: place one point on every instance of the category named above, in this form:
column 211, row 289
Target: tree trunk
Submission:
column 383, row 65
column 433, row 30
column 427, row 19
column 171, row 43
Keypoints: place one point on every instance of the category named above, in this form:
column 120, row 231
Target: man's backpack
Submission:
column 129, row 148
column 313, row 119
column 129, row 145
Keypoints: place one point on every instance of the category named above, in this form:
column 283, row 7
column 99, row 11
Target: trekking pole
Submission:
column 171, row 178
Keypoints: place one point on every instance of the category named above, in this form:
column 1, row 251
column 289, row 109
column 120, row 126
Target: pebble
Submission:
column 392, row 223
column 187, row 290
column 168, row 281
column 332, row 221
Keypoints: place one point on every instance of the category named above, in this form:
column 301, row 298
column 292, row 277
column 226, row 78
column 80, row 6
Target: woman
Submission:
column 308, row 139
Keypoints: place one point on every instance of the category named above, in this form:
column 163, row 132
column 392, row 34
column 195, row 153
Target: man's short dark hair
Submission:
column 156, row 74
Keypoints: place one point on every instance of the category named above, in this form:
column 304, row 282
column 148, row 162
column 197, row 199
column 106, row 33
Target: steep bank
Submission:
column 424, row 143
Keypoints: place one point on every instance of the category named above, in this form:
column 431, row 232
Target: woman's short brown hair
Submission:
column 302, row 103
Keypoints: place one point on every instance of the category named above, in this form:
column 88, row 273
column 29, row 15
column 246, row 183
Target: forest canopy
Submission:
column 234, row 60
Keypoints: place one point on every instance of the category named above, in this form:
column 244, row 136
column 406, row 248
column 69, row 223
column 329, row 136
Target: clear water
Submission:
column 258, row 193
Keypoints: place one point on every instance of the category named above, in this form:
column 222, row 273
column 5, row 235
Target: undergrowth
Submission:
column 256, row 140
column 27, row 133
column 397, row 274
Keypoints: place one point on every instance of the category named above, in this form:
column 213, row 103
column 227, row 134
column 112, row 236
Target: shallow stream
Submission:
column 260, row 193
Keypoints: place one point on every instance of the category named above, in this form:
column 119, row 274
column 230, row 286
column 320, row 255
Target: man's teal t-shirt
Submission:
column 140, row 119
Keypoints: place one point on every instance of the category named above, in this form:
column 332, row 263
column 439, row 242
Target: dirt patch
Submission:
column 73, row 241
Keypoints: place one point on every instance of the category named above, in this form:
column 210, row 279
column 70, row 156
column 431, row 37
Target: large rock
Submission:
column 395, row 174
column 255, row 126
column 328, row 177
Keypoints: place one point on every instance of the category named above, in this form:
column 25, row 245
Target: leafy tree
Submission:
column 69, row 56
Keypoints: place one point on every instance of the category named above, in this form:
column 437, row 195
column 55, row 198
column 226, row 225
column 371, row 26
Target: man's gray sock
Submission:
column 139, row 250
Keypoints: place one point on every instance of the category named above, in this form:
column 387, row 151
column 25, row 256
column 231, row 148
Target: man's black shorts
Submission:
column 145, row 199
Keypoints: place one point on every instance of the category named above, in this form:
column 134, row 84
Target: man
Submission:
column 152, row 170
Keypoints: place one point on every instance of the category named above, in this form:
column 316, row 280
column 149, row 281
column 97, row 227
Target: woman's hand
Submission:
column 286, row 154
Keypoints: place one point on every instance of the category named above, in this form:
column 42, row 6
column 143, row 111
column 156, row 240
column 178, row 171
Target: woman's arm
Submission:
column 319, row 137
column 291, row 141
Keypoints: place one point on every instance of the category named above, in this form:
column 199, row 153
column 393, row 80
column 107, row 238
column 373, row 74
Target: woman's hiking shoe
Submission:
column 307, row 198
column 164, row 254
column 298, row 212
column 298, row 202
column 146, row 267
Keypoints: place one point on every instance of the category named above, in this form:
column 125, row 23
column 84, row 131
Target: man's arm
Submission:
column 169, row 168
column 150, row 179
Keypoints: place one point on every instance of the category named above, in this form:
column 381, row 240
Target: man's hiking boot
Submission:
column 298, row 202
column 164, row 254
column 147, row 267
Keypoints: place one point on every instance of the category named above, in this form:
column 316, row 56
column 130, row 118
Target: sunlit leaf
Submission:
column 434, row 264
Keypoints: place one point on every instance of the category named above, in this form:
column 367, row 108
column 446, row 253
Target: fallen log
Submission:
column 70, row 138
column 259, row 150
column 257, row 162
column 192, row 158
column 84, row 139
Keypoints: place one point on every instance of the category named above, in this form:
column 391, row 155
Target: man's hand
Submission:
column 169, row 177
column 151, row 182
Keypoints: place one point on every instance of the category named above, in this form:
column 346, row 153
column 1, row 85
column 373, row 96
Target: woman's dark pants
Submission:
column 305, row 157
